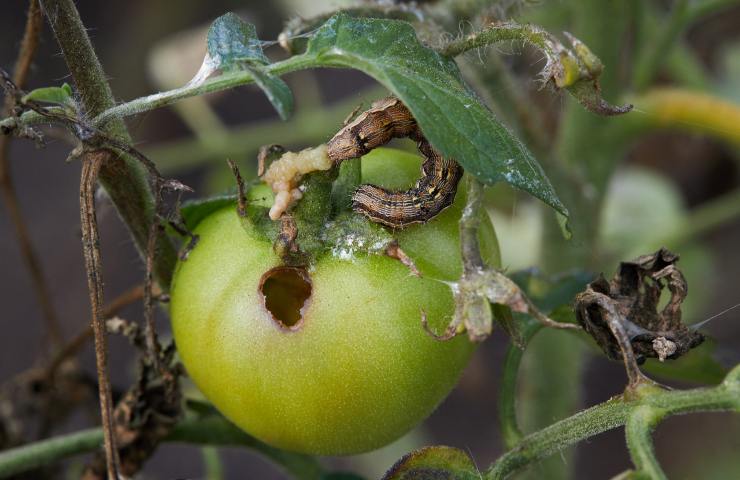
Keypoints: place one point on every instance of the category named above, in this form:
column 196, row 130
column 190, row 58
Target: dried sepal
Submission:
column 576, row 69
column 622, row 315
column 480, row 285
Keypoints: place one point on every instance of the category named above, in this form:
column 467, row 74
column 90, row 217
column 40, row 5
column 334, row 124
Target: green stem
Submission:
column 214, row 430
column 550, row 389
column 509, row 424
column 612, row 414
column 38, row 454
column 215, row 84
column 638, row 430
column 350, row 177
column 206, row 430
column 545, row 442
column 124, row 178
column 502, row 32
column 28, row 119
column 111, row 116
column 213, row 467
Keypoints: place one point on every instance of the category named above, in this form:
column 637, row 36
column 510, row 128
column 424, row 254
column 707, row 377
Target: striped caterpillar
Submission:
column 434, row 191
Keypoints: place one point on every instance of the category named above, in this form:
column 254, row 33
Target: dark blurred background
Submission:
column 129, row 35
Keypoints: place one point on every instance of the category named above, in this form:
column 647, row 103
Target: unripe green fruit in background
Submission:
column 350, row 367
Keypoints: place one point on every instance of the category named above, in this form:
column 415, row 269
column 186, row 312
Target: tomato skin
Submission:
column 358, row 371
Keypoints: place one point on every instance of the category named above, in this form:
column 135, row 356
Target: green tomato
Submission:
column 331, row 360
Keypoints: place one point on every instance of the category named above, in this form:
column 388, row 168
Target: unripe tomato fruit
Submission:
column 350, row 367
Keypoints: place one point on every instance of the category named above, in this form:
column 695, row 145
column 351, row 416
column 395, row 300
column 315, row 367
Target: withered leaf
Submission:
column 631, row 300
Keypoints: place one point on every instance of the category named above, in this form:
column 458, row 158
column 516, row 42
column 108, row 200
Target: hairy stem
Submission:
column 638, row 429
column 69, row 350
column 612, row 414
column 225, row 81
column 123, row 178
column 205, row 430
column 507, row 416
column 306, row 127
column 469, row 224
column 502, row 32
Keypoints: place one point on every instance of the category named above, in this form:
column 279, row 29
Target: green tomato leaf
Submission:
column 443, row 463
column 448, row 112
column 277, row 91
column 233, row 45
column 60, row 95
column 232, row 41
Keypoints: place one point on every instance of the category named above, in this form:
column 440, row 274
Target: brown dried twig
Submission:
column 241, row 199
column 152, row 365
column 147, row 412
column 152, row 343
column 91, row 163
column 73, row 346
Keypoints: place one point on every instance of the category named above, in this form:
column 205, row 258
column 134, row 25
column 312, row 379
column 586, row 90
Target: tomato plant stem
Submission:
column 617, row 412
column 208, row 429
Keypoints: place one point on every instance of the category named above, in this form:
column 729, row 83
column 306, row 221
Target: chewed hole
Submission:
column 286, row 292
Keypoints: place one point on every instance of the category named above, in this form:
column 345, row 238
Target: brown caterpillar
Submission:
column 387, row 119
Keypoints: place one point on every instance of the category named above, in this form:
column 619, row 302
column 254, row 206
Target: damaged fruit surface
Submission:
column 330, row 358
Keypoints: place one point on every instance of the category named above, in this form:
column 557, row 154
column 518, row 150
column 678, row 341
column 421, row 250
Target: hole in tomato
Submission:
column 285, row 293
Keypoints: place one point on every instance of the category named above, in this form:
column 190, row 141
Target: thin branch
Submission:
column 212, row 429
column 91, row 164
column 216, row 84
column 152, row 343
column 481, row 285
column 577, row 70
column 612, row 414
column 34, row 455
column 638, row 429
column 73, row 346
column 241, row 199
column 26, row 53
column 507, row 417
column 209, row 429
column 469, row 225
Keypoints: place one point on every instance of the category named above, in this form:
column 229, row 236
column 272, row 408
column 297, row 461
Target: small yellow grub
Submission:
column 284, row 174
